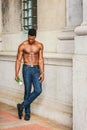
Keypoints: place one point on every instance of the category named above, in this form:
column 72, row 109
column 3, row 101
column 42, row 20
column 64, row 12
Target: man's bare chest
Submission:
column 31, row 49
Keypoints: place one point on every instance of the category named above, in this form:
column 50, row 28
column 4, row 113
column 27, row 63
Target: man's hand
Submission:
column 16, row 77
column 41, row 78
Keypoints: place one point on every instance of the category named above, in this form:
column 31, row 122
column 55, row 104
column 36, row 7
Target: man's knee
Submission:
column 39, row 91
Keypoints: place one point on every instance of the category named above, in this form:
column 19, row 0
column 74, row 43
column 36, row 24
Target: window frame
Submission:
column 29, row 14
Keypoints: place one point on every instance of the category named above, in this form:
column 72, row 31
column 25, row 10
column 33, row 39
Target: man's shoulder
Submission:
column 23, row 44
column 39, row 44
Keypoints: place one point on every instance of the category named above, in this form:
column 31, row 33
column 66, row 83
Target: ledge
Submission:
column 50, row 55
column 8, row 53
column 66, row 34
column 58, row 55
column 81, row 30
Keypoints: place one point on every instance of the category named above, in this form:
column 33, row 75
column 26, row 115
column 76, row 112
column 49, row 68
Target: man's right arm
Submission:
column 18, row 61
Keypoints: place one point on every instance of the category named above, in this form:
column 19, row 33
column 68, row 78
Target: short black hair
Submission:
column 32, row 32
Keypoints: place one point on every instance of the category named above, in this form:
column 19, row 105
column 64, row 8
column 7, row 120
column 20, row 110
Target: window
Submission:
column 29, row 14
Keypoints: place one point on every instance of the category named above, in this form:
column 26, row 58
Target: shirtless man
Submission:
column 31, row 52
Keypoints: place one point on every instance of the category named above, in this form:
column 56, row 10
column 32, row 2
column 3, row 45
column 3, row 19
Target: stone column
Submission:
column 0, row 26
column 66, row 37
column 73, row 18
column 80, row 75
column 84, row 12
column 73, row 12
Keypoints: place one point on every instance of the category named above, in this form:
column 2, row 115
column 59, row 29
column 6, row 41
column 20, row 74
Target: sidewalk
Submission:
column 9, row 121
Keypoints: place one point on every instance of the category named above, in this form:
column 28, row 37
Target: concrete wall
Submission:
column 51, row 18
column 12, row 15
column 57, row 87
column 56, row 97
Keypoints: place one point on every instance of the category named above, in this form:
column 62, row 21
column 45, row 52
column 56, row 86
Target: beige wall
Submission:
column 51, row 14
column 51, row 19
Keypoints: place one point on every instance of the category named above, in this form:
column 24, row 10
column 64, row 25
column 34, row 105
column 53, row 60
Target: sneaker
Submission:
column 20, row 111
column 27, row 117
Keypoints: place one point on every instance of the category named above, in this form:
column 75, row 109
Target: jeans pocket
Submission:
column 24, row 69
column 37, row 70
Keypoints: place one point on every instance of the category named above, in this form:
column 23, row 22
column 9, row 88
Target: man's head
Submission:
column 31, row 36
column 32, row 32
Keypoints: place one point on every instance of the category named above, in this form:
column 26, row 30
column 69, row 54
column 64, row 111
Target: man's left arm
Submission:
column 41, row 64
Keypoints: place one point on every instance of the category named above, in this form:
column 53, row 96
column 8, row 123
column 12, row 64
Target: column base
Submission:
column 66, row 40
column 81, row 30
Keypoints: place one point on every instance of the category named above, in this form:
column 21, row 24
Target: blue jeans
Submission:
column 30, row 77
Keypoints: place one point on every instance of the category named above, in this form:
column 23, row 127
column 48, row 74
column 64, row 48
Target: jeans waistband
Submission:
column 31, row 65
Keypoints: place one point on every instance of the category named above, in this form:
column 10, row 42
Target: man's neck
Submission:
column 31, row 43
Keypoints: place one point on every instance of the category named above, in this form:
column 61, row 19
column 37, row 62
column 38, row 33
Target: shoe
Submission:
column 27, row 117
column 20, row 111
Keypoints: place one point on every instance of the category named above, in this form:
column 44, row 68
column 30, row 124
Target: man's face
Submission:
column 31, row 39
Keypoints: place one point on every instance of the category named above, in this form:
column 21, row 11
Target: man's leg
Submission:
column 37, row 88
column 27, row 90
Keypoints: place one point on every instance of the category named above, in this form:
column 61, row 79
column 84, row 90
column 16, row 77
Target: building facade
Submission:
column 62, row 28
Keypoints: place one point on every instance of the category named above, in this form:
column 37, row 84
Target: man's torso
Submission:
column 31, row 53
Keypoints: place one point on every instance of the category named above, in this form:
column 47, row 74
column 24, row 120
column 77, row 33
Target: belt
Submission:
column 31, row 65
